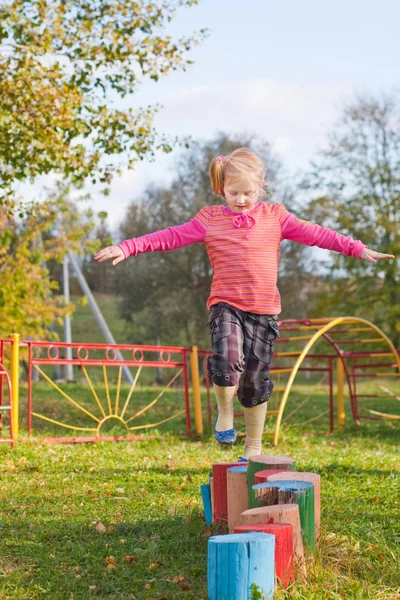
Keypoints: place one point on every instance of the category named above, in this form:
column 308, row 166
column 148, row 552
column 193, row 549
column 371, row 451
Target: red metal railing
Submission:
column 105, row 355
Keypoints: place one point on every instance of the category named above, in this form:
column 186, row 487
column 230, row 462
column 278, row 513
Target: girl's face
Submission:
column 241, row 194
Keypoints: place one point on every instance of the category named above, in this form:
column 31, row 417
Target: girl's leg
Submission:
column 255, row 386
column 255, row 421
column 225, row 396
column 225, row 366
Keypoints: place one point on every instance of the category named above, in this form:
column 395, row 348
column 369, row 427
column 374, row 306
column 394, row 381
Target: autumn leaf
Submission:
column 185, row 586
column 131, row 558
column 100, row 528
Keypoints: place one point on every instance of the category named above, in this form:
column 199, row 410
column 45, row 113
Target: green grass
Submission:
column 84, row 325
column 124, row 520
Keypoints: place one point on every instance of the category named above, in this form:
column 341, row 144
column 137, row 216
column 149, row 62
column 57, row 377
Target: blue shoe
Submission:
column 225, row 437
column 242, row 459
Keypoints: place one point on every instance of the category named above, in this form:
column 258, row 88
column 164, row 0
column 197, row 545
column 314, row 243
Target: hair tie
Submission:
column 222, row 157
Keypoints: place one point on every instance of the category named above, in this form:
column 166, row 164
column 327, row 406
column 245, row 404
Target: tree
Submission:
column 28, row 302
column 100, row 276
column 64, row 66
column 165, row 294
column 354, row 187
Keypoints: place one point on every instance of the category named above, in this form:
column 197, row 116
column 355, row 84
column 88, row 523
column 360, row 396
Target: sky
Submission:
column 280, row 69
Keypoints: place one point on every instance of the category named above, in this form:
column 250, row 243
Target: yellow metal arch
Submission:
column 321, row 332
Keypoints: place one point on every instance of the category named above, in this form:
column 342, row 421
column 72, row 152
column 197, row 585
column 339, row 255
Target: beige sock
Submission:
column 255, row 420
column 224, row 397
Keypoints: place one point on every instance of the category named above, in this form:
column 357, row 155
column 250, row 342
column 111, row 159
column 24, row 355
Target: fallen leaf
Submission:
column 377, row 499
column 100, row 528
column 111, row 566
column 178, row 578
column 185, row 586
column 158, row 563
column 131, row 558
column 110, row 529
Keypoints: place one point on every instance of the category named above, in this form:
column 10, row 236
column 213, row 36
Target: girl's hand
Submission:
column 372, row 256
column 114, row 252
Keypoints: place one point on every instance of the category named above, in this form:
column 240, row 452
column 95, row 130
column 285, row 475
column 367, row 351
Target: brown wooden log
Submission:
column 282, row 513
column 303, row 476
column 237, row 495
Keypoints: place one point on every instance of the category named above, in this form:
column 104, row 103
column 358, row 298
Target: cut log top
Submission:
column 278, row 508
column 270, row 459
column 262, row 527
column 265, row 474
column 287, row 485
column 241, row 538
column 238, row 469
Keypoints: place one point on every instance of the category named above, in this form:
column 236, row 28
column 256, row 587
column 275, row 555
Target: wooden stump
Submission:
column 266, row 461
column 220, row 500
column 238, row 561
column 282, row 513
column 301, row 493
column 283, row 532
column 262, row 476
column 206, row 497
column 302, row 476
column 212, row 498
column 265, row 494
column 237, row 494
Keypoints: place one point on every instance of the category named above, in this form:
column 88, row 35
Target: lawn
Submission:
column 123, row 520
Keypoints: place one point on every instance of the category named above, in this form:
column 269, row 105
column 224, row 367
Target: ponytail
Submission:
column 216, row 172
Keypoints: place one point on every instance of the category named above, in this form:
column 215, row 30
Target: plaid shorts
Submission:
column 242, row 344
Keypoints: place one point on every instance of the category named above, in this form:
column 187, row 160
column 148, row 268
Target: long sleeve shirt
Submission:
column 243, row 249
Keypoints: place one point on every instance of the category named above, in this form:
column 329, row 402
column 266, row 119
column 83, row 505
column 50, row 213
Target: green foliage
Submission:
column 355, row 189
column 62, row 68
column 28, row 303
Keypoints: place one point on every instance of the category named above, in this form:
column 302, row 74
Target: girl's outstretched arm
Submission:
column 314, row 235
column 159, row 241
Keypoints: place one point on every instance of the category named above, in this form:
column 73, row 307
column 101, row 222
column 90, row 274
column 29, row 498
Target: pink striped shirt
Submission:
column 243, row 249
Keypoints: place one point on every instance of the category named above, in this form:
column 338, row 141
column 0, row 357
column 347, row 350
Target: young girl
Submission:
column 242, row 241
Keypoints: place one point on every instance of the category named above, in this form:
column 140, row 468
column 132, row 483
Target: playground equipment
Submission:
column 12, row 387
column 354, row 350
column 287, row 515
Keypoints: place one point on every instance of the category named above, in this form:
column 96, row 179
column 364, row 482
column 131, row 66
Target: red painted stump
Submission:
column 283, row 532
column 262, row 476
column 220, row 494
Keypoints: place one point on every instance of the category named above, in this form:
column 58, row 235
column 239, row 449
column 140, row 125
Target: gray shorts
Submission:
column 242, row 345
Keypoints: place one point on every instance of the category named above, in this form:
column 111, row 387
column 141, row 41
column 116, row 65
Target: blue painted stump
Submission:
column 206, row 496
column 236, row 562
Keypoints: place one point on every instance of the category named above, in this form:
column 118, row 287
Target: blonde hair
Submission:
column 239, row 163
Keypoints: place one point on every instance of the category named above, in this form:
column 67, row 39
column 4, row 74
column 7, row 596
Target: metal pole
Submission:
column 340, row 392
column 198, row 416
column 69, row 373
column 14, row 372
column 97, row 313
